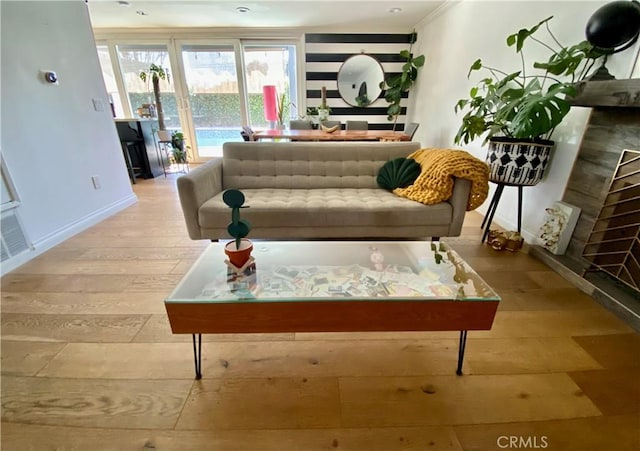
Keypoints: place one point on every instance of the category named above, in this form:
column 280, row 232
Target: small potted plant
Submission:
column 178, row 148
column 281, row 109
column 312, row 114
column 517, row 112
column 238, row 250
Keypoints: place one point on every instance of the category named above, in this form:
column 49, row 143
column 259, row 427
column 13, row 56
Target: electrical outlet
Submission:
column 96, row 181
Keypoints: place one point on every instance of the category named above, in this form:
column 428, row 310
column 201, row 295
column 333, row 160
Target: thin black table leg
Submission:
column 519, row 208
column 197, row 355
column 491, row 205
column 463, row 344
column 492, row 212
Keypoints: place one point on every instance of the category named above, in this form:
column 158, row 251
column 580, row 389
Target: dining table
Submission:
column 337, row 135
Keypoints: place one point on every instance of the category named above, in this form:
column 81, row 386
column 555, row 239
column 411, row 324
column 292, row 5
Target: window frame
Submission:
column 238, row 38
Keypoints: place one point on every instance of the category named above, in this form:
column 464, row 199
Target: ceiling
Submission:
column 348, row 15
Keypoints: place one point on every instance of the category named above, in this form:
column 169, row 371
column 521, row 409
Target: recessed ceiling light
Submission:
column 123, row 3
column 242, row 9
column 141, row 13
column 395, row 10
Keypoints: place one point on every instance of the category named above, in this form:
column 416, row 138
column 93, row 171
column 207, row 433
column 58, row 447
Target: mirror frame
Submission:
column 373, row 88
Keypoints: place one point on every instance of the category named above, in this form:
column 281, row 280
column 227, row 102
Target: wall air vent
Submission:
column 14, row 241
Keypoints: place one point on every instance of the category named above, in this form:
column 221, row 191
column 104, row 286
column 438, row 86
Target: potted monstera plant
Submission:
column 517, row 112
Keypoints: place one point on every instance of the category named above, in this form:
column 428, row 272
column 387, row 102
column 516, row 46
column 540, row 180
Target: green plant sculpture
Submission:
column 437, row 248
column 238, row 228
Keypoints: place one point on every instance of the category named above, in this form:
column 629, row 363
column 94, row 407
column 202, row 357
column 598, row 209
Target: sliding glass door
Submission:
column 212, row 90
column 270, row 64
column 133, row 60
column 223, row 88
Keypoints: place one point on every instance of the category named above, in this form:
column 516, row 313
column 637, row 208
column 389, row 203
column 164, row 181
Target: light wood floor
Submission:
column 89, row 362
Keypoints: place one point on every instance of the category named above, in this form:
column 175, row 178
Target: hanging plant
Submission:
column 396, row 85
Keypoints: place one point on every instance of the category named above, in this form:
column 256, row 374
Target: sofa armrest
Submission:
column 197, row 187
column 459, row 200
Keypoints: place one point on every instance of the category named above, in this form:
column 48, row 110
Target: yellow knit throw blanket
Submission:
column 439, row 167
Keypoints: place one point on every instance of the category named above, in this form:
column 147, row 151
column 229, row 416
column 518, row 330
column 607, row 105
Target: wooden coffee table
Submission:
column 333, row 286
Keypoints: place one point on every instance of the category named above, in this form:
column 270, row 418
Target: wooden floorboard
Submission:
column 89, row 361
column 18, row 436
column 131, row 404
column 452, row 400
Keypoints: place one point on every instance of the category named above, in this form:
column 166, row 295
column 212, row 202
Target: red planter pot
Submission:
column 238, row 256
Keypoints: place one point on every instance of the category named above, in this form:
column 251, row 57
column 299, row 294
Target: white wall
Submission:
column 53, row 140
column 463, row 32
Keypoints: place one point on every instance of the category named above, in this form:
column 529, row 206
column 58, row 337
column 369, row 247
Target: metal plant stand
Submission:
column 493, row 206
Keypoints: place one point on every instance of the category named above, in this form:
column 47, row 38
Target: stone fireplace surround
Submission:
column 614, row 125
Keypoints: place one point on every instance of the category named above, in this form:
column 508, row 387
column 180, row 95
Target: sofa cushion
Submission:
column 325, row 207
column 298, row 165
column 398, row 173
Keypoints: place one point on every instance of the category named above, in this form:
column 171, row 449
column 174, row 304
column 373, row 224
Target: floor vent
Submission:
column 14, row 241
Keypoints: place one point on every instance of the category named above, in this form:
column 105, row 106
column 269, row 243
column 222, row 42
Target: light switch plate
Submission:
column 98, row 104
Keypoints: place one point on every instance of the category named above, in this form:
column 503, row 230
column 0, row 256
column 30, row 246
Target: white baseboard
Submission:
column 57, row 237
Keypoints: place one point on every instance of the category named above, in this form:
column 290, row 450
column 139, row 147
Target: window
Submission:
column 214, row 95
column 214, row 86
column 134, row 59
column 270, row 65
column 110, row 81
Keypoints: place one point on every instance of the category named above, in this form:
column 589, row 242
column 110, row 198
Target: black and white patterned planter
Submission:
column 516, row 161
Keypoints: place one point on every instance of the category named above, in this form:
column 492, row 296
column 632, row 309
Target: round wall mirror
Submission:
column 359, row 80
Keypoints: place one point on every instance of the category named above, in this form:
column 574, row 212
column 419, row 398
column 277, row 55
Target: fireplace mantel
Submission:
column 608, row 93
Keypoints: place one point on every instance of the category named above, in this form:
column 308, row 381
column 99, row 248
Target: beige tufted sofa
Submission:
column 306, row 190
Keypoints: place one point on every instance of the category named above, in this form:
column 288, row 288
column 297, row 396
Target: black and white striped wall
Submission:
column 325, row 53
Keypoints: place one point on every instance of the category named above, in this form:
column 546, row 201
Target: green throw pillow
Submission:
column 398, row 173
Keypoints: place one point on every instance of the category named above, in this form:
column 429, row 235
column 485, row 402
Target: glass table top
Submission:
column 299, row 271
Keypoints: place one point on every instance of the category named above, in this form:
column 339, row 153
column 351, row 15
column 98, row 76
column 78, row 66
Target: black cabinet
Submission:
column 138, row 140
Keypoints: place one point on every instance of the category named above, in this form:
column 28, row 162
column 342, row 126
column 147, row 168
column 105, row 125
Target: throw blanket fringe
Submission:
column 439, row 167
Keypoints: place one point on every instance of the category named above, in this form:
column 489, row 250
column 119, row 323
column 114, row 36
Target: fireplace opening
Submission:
column 614, row 243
